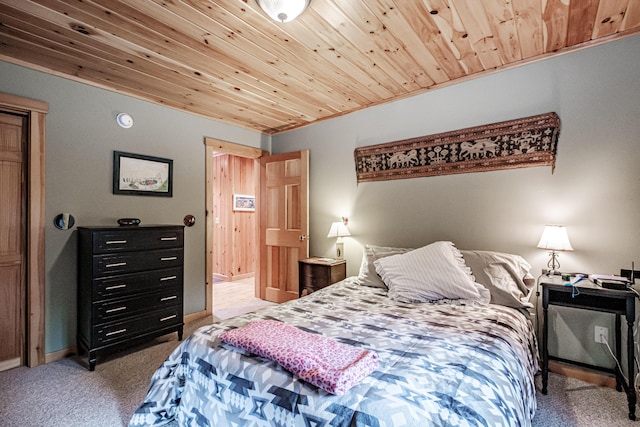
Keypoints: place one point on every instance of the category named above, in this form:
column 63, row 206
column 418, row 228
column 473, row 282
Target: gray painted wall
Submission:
column 595, row 189
column 81, row 135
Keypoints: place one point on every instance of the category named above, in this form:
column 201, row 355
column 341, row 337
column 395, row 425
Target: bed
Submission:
column 441, row 361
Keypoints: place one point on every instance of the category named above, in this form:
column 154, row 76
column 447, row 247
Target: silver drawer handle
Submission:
column 162, row 279
column 117, row 264
column 167, row 318
column 116, row 309
column 169, row 258
column 116, row 242
column 119, row 331
column 108, row 288
column 168, row 298
column 168, row 238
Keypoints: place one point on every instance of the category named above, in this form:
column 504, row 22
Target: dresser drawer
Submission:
column 119, row 331
column 321, row 272
column 110, row 310
column 130, row 262
column 132, row 240
column 314, row 282
column 126, row 284
column 316, row 273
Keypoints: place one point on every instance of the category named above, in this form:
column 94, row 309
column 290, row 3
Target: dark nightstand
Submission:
column 593, row 297
column 317, row 273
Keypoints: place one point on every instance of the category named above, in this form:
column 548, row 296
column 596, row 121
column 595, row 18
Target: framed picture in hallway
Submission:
column 243, row 202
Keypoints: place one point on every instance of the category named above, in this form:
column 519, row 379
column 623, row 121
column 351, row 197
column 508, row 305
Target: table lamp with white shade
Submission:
column 554, row 238
column 339, row 229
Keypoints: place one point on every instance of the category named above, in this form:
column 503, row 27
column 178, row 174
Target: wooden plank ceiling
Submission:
column 226, row 60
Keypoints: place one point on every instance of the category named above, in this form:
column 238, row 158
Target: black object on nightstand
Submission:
column 130, row 286
column 317, row 273
column 589, row 296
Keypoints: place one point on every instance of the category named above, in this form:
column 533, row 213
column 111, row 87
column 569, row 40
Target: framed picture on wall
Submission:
column 139, row 175
column 243, row 202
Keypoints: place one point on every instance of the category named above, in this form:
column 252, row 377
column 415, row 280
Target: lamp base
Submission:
column 553, row 264
column 339, row 250
column 548, row 272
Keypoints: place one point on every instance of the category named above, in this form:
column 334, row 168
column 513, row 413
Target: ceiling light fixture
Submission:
column 283, row 10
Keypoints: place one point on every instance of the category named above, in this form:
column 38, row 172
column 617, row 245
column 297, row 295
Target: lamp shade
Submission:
column 338, row 229
column 283, row 10
column 555, row 238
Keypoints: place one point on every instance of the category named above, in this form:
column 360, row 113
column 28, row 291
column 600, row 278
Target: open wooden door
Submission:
column 284, row 223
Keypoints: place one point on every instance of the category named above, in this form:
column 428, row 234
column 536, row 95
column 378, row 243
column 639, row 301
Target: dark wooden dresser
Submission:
column 130, row 286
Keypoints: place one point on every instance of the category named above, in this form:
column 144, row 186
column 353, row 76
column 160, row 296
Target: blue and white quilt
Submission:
column 441, row 364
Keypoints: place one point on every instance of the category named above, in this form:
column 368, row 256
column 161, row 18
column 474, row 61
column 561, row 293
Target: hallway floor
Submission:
column 234, row 298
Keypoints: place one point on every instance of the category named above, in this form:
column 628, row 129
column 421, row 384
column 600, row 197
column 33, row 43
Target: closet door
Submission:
column 12, row 240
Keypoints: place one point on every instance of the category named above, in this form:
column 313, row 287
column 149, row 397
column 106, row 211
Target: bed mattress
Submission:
column 440, row 364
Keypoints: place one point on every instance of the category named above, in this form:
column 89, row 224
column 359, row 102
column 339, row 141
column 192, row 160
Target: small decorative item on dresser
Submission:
column 129, row 221
column 317, row 273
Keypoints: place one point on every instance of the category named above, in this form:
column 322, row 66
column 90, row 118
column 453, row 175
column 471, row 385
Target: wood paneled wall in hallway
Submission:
column 234, row 232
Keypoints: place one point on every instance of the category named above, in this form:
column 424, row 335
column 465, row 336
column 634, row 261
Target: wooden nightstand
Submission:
column 317, row 273
column 588, row 296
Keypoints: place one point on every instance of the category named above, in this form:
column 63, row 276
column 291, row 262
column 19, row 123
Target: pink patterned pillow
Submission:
column 321, row 361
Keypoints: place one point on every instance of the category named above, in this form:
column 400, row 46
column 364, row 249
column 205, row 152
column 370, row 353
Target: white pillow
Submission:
column 367, row 275
column 507, row 276
column 433, row 272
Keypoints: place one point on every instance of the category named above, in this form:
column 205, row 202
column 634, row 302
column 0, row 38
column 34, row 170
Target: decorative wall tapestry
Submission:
column 526, row 142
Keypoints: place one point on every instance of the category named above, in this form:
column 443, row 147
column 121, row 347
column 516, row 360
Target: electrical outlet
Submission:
column 601, row 334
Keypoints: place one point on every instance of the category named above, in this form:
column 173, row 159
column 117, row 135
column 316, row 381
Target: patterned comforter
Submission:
column 441, row 364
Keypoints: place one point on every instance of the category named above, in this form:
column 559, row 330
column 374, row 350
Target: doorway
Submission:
column 234, row 217
column 230, row 286
column 281, row 196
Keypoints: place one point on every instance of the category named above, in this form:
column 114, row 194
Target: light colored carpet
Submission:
column 66, row 394
column 574, row 403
